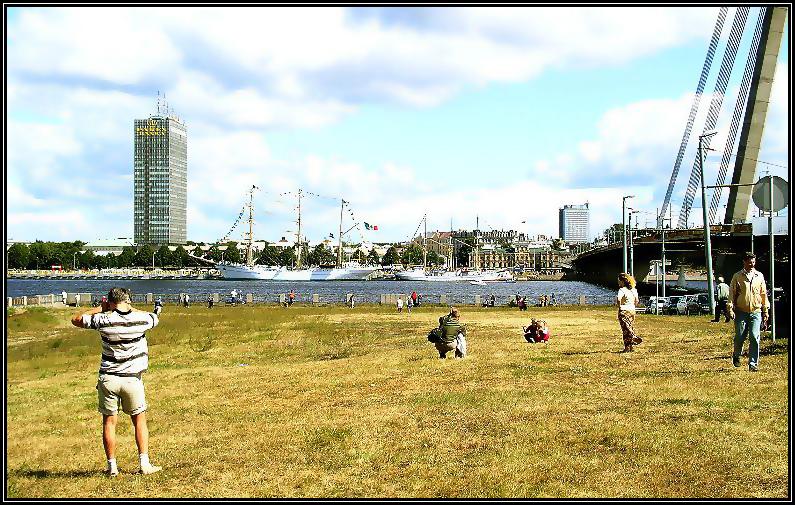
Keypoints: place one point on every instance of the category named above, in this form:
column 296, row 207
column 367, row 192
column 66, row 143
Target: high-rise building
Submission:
column 161, row 181
column 575, row 223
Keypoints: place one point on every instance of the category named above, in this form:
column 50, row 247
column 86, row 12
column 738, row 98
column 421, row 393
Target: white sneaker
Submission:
column 150, row 469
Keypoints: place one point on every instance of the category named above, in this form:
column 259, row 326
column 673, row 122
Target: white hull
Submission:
column 457, row 276
column 325, row 274
column 256, row 272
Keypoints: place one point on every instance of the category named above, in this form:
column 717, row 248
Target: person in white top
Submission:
column 400, row 304
column 626, row 299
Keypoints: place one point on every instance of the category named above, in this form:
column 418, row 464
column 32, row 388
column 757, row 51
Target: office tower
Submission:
column 161, row 181
column 575, row 225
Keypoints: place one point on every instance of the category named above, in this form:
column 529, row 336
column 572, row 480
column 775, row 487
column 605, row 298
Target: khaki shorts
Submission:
column 129, row 390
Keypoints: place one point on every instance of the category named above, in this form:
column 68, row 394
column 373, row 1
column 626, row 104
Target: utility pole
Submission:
column 707, row 240
column 624, row 226
column 772, row 264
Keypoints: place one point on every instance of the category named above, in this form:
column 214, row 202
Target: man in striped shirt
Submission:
column 124, row 359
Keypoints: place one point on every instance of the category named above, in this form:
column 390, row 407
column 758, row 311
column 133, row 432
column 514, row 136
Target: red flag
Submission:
column 375, row 228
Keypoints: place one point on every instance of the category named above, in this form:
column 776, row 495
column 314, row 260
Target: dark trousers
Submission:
column 721, row 308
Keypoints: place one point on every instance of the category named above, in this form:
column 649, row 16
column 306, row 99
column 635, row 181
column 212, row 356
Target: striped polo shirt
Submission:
column 124, row 348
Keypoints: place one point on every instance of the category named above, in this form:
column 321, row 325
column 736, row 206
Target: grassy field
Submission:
column 337, row 402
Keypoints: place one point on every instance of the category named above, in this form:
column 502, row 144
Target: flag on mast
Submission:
column 369, row 226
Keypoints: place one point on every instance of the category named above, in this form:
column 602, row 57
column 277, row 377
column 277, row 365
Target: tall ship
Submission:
column 248, row 270
column 460, row 275
column 342, row 271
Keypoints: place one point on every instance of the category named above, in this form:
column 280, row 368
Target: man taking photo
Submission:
column 124, row 359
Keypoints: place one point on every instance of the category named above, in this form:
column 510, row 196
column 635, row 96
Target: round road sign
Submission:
column 761, row 194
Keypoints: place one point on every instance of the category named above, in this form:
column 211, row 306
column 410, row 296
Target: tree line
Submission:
column 42, row 255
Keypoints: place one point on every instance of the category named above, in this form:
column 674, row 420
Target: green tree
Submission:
column 434, row 259
column 232, row 253
column 127, row 257
column 164, row 257
column 269, row 255
column 18, row 256
column 412, row 255
column 179, row 257
column 390, row 256
column 372, row 257
column 143, row 258
column 286, row 257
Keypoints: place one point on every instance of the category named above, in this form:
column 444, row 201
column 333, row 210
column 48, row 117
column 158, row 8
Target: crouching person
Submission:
column 452, row 335
column 124, row 359
column 537, row 332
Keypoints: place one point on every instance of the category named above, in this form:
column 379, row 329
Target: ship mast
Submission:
column 298, row 261
column 339, row 245
column 249, row 255
column 425, row 243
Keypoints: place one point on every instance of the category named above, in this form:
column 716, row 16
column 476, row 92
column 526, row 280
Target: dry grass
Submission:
column 334, row 402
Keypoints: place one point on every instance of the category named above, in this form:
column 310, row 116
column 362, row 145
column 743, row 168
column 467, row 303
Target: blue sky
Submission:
column 501, row 114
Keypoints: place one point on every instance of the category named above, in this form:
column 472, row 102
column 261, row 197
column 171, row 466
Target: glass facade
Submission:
column 574, row 223
column 160, row 181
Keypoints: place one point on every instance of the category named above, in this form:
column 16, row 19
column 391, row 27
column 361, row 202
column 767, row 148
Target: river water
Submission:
column 566, row 292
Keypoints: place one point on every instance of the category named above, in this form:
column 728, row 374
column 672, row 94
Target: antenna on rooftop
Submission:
column 158, row 102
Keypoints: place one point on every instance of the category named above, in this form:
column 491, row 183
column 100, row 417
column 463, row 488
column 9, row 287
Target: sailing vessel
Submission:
column 460, row 275
column 248, row 270
column 342, row 271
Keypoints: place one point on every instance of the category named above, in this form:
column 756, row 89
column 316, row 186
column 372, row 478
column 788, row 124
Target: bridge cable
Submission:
column 693, row 110
column 727, row 64
column 739, row 108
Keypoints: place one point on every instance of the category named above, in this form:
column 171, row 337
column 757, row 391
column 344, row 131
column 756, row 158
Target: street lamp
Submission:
column 74, row 260
column 631, row 264
column 624, row 226
column 707, row 241
column 153, row 259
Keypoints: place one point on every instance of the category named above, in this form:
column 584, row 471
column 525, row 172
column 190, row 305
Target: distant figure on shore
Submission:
column 210, row 301
column 492, row 301
column 124, row 360
column 552, row 299
column 414, row 298
column 522, row 303
column 419, row 300
column 187, row 300
column 409, row 303
column 627, row 299
column 63, row 297
column 400, row 304
column 350, row 300
column 536, row 332
column 722, row 305
column 158, row 305
column 290, row 298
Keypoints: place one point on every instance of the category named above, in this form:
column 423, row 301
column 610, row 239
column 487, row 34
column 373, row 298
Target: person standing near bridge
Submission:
column 722, row 301
column 748, row 305
column 627, row 299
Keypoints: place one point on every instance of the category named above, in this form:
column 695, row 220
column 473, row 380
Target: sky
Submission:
column 469, row 115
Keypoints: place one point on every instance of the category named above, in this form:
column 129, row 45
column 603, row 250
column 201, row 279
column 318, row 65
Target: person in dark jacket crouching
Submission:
column 449, row 329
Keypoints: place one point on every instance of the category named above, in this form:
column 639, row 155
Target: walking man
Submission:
column 722, row 301
column 124, row 359
column 748, row 307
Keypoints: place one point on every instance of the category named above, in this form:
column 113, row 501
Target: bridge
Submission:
column 686, row 246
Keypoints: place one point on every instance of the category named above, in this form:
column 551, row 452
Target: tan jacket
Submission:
column 748, row 292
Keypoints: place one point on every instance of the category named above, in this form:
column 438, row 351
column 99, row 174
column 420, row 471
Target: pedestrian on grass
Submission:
column 748, row 305
column 451, row 335
column 627, row 299
column 722, row 306
column 124, row 360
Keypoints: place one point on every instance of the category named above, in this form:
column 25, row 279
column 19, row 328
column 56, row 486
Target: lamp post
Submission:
column 74, row 260
column 631, row 264
column 707, row 241
column 153, row 259
column 624, row 226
